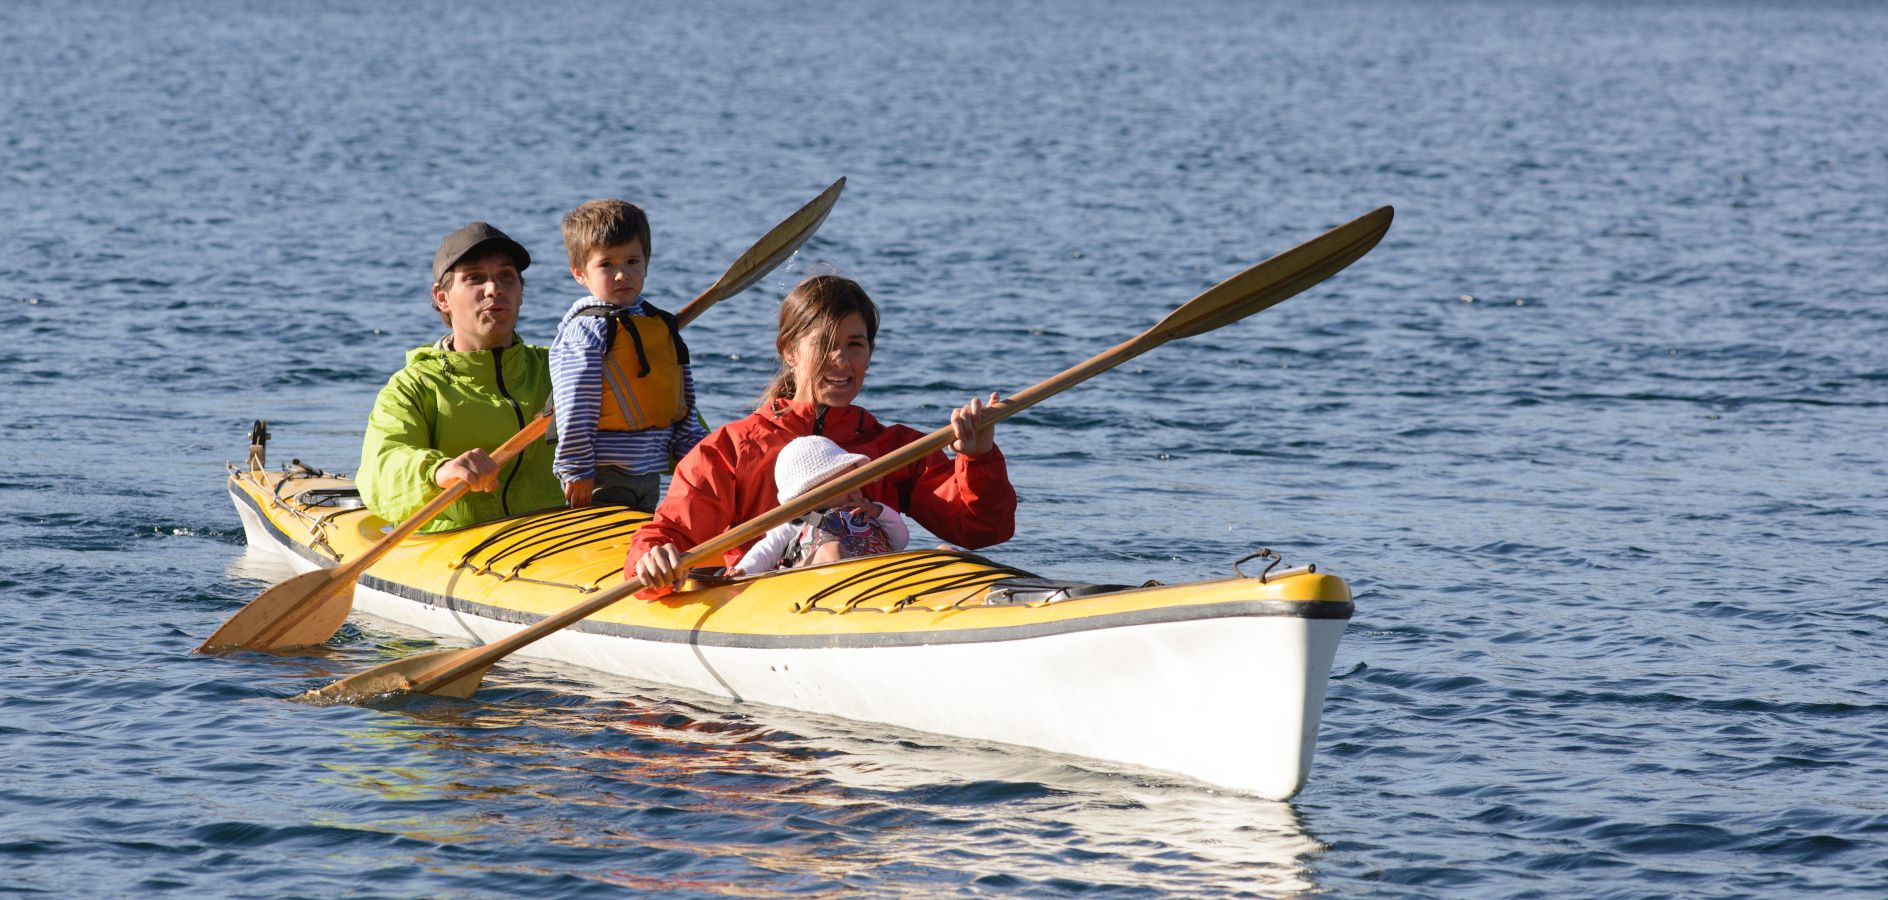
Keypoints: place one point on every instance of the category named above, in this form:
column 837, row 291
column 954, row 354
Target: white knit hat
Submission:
column 806, row 461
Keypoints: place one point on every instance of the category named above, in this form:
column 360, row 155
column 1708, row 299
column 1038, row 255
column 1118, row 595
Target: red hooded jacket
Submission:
column 729, row 478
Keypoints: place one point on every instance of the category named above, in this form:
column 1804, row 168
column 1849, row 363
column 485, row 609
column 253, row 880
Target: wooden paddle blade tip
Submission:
column 1277, row 279
column 425, row 673
column 380, row 681
column 304, row 611
column 773, row 248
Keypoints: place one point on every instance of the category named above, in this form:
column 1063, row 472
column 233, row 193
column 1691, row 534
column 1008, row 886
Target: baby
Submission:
column 853, row 527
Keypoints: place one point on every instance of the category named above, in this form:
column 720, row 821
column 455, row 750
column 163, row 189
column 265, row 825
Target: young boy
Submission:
column 620, row 379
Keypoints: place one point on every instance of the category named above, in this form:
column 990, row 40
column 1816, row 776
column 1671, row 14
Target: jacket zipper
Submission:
column 498, row 363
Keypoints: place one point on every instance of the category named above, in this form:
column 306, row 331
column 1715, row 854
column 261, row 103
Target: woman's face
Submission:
column 835, row 378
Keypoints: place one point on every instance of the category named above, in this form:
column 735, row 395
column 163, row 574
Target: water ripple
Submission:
column 1592, row 434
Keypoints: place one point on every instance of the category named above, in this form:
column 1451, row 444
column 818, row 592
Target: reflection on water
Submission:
column 728, row 798
column 260, row 565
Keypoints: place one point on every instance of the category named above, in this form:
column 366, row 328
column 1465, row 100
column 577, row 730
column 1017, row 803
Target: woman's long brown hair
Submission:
column 816, row 306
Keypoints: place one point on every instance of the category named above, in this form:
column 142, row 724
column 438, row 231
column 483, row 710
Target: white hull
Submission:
column 1233, row 702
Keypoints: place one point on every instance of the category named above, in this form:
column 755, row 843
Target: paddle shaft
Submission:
column 1255, row 289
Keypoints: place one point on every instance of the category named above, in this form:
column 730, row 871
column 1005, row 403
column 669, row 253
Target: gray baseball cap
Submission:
column 475, row 236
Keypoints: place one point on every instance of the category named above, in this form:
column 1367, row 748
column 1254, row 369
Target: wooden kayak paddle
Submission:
column 457, row 673
column 309, row 608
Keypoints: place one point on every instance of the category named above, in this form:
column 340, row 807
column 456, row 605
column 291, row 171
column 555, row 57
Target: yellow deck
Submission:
column 534, row 565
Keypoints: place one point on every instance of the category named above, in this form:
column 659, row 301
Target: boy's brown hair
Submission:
column 603, row 223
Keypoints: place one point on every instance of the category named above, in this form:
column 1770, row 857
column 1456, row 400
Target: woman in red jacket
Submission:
column 828, row 327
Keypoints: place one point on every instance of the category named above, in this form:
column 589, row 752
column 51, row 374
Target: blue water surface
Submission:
column 1595, row 434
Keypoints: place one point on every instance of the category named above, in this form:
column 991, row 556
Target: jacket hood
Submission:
column 841, row 423
column 435, row 357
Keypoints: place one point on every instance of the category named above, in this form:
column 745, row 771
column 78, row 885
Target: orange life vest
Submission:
column 642, row 377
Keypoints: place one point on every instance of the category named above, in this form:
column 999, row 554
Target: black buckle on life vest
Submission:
column 617, row 316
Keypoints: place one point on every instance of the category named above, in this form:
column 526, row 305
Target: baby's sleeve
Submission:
column 897, row 533
column 765, row 555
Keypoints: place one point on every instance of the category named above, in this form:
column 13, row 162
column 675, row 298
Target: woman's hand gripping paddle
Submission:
column 457, row 673
column 309, row 608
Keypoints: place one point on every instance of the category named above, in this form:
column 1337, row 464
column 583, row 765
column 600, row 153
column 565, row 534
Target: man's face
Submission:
column 481, row 300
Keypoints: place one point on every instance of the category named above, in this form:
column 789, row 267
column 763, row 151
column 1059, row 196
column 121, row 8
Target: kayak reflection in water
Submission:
column 828, row 329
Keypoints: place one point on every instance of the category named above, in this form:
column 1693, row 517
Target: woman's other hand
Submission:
column 973, row 437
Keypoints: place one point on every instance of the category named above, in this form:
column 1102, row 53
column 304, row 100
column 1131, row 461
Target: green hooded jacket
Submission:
column 442, row 404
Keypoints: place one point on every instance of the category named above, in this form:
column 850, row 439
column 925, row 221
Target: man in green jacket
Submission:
column 470, row 390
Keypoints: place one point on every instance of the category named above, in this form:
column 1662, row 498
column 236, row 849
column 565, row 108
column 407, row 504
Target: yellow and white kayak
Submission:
column 1222, row 681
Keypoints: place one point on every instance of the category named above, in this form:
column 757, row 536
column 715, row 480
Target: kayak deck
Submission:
column 526, row 567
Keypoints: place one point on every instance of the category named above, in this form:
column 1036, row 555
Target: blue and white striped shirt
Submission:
column 577, row 391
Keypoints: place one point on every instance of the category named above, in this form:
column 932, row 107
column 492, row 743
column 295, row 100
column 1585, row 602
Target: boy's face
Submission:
column 614, row 274
column 482, row 297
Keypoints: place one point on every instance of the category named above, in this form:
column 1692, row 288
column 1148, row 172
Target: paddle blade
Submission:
column 426, row 673
column 1278, row 278
column 770, row 251
column 302, row 611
